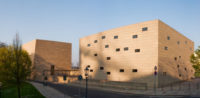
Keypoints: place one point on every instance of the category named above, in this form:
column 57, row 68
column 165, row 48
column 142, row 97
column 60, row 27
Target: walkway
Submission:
column 48, row 92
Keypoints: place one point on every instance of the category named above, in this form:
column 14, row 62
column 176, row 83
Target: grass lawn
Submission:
column 27, row 91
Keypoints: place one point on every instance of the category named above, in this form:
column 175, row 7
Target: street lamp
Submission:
column 86, row 76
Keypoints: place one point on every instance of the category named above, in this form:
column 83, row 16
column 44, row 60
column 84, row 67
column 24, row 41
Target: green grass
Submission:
column 27, row 91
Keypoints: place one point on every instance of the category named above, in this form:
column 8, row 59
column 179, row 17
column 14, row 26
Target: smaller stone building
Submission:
column 48, row 56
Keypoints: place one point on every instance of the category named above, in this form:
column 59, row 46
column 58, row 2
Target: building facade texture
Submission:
column 48, row 55
column 133, row 53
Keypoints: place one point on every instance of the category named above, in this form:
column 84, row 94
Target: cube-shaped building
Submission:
column 135, row 52
column 48, row 55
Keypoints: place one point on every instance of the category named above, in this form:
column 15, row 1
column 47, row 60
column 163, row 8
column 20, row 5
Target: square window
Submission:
column 116, row 37
column 164, row 73
column 121, row 70
column 185, row 69
column 106, row 46
column 91, row 70
column 178, row 66
column 108, row 73
column 88, row 45
column 95, row 41
column 88, row 66
column 144, row 29
column 134, row 70
column 135, row 36
column 166, row 48
column 101, row 68
column 108, row 58
column 178, row 42
column 168, row 37
column 103, row 37
column 126, row 49
column 117, row 49
column 137, row 50
column 175, row 58
column 95, row 54
column 179, row 75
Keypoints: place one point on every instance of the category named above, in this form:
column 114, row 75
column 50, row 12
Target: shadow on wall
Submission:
column 114, row 66
column 39, row 65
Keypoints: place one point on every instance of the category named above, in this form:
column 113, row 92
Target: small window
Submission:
column 178, row 42
column 121, row 70
column 88, row 45
column 179, row 75
column 164, row 73
column 179, row 57
column 166, row 48
column 185, row 42
column 135, row 36
column 144, row 29
column 185, row 69
column 137, row 50
column 175, row 58
column 95, row 41
column 178, row 66
column 103, row 37
column 95, row 54
column 101, row 68
column 134, row 70
column 126, row 49
column 106, row 46
column 117, row 49
column 88, row 66
column 108, row 73
column 116, row 37
column 168, row 37
column 91, row 70
column 108, row 58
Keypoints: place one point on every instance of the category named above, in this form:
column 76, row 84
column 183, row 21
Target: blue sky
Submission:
column 69, row 20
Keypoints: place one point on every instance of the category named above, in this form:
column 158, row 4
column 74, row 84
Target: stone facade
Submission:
column 46, row 55
column 130, row 53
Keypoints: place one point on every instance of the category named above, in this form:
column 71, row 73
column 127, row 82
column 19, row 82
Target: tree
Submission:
column 195, row 60
column 15, row 64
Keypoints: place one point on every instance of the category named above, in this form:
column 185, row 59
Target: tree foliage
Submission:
column 195, row 60
column 15, row 64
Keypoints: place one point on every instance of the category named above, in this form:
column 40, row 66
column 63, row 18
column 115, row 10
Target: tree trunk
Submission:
column 18, row 91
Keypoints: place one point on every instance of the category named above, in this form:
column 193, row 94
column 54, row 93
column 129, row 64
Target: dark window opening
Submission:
column 178, row 42
column 121, row 70
column 95, row 54
column 106, row 46
column 103, row 37
column 175, row 58
column 101, row 68
column 185, row 69
column 166, row 48
column 116, row 37
column 164, row 73
column 95, row 41
column 88, row 66
column 126, row 49
column 118, row 49
column 135, row 36
column 178, row 66
column 91, row 70
column 108, row 73
column 179, row 75
column 144, row 29
column 108, row 58
column 88, row 45
column 137, row 50
column 134, row 70
column 168, row 37
column 52, row 69
column 179, row 57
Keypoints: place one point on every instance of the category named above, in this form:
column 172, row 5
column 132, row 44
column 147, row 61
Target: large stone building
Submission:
column 131, row 53
column 48, row 56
